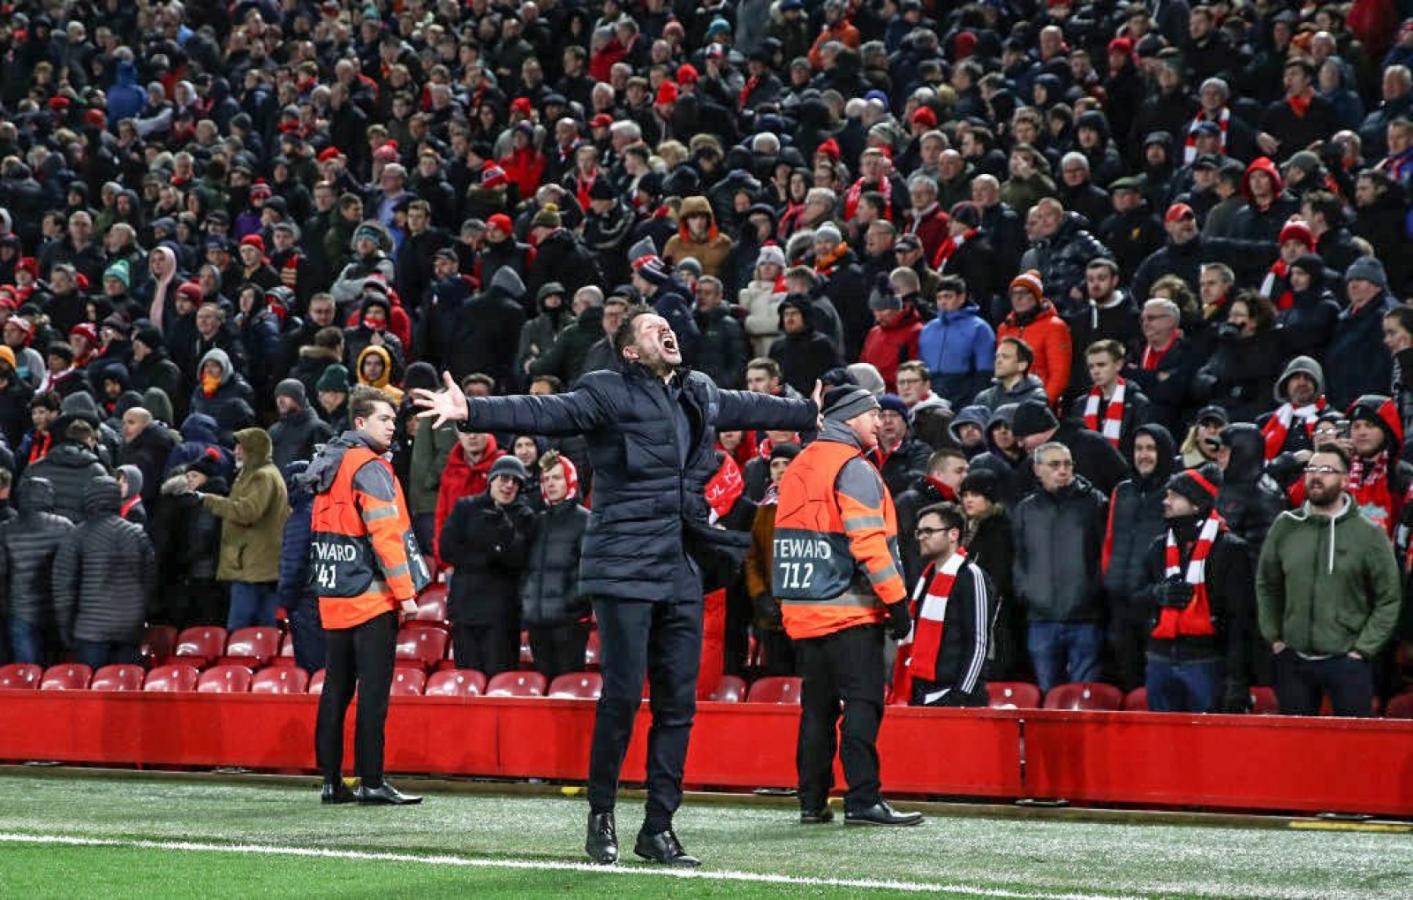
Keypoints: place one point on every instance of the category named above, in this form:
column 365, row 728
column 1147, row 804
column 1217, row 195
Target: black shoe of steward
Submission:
column 664, row 848
column 881, row 814
column 385, row 795
column 336, row 792
column 601, row 843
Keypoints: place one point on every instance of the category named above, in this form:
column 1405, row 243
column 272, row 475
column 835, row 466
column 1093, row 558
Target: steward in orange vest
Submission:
column 364, row 564
column 1201, row 584
column 836, row 571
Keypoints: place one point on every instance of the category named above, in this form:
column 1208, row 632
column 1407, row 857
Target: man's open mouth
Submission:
column 669, row 344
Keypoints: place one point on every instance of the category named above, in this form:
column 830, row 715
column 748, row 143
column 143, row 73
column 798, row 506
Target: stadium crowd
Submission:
column 1132, row 281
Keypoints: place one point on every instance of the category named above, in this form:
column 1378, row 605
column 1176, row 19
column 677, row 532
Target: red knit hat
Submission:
column 500, row 221
column 1296, row 230
column 829, row 148
column 329, row 153
column 254, row 240
column 925, row 117
column 1030, row 280
column 666, row 93
column 522, row 105
column 493, row 176
column 687, row 74
column 190, row 290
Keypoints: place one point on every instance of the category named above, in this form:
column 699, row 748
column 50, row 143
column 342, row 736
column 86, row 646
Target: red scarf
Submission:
column 1113, row 423
column 724, row 488
column 943, row 488
column 39, row 447
column 1278, row 425
column 1154, row 358
column 1189, row 150
column 1279, row 272
column 582, row 185
column 1300, row 105
column 851, row 199
column 948, row 248
column 128, row 504
column 1368, row 482
column 751, row 84
column 1194, row 619
column 917, row 654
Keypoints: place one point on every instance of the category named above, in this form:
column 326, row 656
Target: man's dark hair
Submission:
column 1335, row 450
column 330, row 337
column 950, row 513
column 1023, row 351
column 555, row 385
column 363, row 398
column 1328, row 206
column 49, row 400
column 1109, row 346
column 1403, row 315
column 627, row 329
column 479, row 378
column 954, row 283
column 79, row 432
column 771, row 367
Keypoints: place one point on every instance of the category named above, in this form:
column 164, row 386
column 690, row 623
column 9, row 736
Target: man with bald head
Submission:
column 146, row 444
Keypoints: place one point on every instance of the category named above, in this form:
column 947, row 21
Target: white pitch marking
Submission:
column 542, row 866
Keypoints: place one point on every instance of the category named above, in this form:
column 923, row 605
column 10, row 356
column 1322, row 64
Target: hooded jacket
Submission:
column 462, row 478
column 1328, row 584
column 384, row 381
column 1049, row 336
column 1249, row 500
column 1356, row 361
column 487, row 330
column 804, row 356
column 1059, row 540
column 200, row 437
column 104, row 572
column 549, row 594
column 1309, row 323
column 28, row 545
column 232, row 388
column 488, row 544
column 710, row 252
column 295, row 436
column 1135, row 519
column 1253, row 223
column 959, row 349
column 253, row 516
column 69, row 468
column 887, row 346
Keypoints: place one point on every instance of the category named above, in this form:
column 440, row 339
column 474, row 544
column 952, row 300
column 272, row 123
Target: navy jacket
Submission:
column 649, row 529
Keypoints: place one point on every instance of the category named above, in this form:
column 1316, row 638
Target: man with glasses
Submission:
column 954, row 609
column 1165, row 362
column 1327, row 593
column 1059, row 533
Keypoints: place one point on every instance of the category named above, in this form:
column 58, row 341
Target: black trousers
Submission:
column 559, row 648
column 846, row 668
column 1302, row 683
column 954, row 696
column 358, row 658
column 489, row 649
column 663, row 640
column 1128, row 639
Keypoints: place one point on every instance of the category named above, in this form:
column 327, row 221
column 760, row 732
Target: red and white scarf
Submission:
column 1194, row 619
column 851, row 199
column 1368, row 482
column 1278, row 425
column 1189, row 150
column 1113, row 424
column 1279, row 273
column 1152, row 358
column 948, row 248
column 917, row 655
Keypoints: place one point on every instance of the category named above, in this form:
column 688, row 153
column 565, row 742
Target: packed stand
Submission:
column 1131, row 281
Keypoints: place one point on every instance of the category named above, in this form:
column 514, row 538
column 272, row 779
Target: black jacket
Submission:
column 923, row 493
column 966, row 640
column 648, row 488
column 156, row 370
column 1135, row 519
column 149, row 451
column 1059, row 538
column 1241, row 373
column 1169, row 385
column 1061, row 258
column 487, row 331
column 103, row 573
column 69, row 468
column 904, row 465
column 1249, row 499
column 721, row 352
column 28, row 544
column 549, row 595
column 294, row 436
column 487, row 544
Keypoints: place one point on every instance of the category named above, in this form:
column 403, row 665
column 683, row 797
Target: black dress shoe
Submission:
column 664, row 848
column 880, row 814
column 602, row 841
column 385, row 794
column 821, row 816
column 336, row 792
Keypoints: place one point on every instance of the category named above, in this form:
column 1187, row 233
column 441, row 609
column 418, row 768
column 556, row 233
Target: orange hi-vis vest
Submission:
column 363, row 558
column 835, row 559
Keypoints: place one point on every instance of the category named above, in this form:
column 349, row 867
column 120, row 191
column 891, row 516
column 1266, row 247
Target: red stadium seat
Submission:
column 20, row 677
column 224, row 680
column 316, row 682
column 252, row 647
column 1400, row 707
column 592, row 651
column 285, row 658
column 448, row 661
column 1136, row 700
column 1013, row 695
column 280, row 680
column 1263, row 702
column 117, row 678
column 577, row 686
column 527, row 656
column 408, row 682
column 174, row 678
column 776, row 689
column 729, row 690
column 456, row 683
column 420, row 648
column 1084, row 695
column 431, row 608
column 158, row 642
column 199, row 646
column 516, row 684
column 66, row 677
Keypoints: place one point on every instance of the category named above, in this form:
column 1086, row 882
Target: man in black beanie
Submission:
column 1200, row 585
column 298, row 431
column 1095, row 459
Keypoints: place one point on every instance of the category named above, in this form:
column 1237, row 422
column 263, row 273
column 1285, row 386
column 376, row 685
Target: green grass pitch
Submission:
column 90, row 835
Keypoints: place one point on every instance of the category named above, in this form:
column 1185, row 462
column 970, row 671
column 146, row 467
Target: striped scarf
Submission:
column 1279, row 274
column 1113, row 413
column 948, row 248
column 1195, row 619
column 851, row 199
column 1189, row 150
column 1278, row 425
column 930, row 619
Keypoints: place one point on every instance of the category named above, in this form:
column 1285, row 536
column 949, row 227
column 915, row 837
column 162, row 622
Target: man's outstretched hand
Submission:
column 448, row 405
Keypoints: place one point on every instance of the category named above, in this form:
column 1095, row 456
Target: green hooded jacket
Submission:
column 253, row 516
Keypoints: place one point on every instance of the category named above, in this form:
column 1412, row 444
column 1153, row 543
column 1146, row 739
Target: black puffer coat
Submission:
column 1061, row 258
column 1135, row 519
column 28, row 544
column 294, row 436
column 487, row 544
column 69, row 468
column 1249, row 500
column 549, row 595
column 648, row 491
column 104, row 572
column 1059, row 537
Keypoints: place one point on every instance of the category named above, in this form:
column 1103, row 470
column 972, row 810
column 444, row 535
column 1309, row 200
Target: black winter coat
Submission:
column 1061, row 258
column 488, row 545
column 103, row 573
column 549, row 594
column 69, row 468
column 28, row 544
column 721, row 352
column 1356, row 362
column 923, row 493
column 1135, row 519
column 649, row 503
column 1249, row 499
column 149, row 451
column 156, row 370
column 1058, row 540
column 804, row 358
column 1241, row 373
column 294, row 437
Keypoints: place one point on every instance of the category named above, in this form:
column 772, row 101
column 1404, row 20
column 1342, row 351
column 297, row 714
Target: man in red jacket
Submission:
column 893, row 339
column 467, row 470
column 1034, row 320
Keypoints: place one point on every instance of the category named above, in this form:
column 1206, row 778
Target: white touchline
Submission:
column 543, row 866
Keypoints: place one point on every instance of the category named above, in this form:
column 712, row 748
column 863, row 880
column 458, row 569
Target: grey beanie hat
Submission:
column 293, row 388
column 843, row 403
column 1367, row 268
column 866, row 376
column 134, row 478
column 509, row 465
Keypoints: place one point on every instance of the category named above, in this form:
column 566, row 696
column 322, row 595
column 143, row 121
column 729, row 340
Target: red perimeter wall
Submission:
column 1217, row 762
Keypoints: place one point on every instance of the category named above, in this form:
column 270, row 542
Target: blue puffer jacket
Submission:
column 648, row 493
column 959, row 349
column 294, row 589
